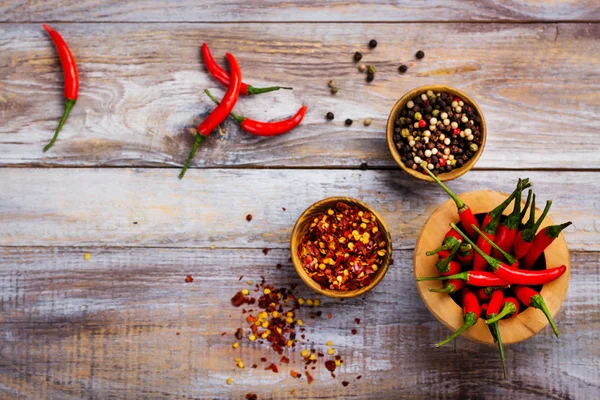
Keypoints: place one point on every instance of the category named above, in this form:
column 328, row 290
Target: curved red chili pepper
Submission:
column 492, row 310
column 516, row 276
column 484, row 242
column 471, row 312
column 485, row 293
column 542, row 240
column 533, row 299
column 465, row 255
column 220, row 112
column 223, row 77
column 509, row 309
column 464, row 212
column 258, row 128
column 71, row 85
column 452, row 286
column 509, row 257
column 444, row 263
column 450, row 239
column 454, row 268
column 507, row 230
column 473, row 278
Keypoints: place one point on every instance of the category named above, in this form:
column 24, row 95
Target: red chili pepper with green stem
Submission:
column 533, row 299
column 493, row 309
column 259, row 128
column 525, row 237
column 464, row 212
column 472, row 278
column 510, row 259
column 509, row 309
column 451, row 286
column 524, row 184
column 516, row 276
column 220, row 112
column 223, row 77
column 485, row 293
column 444, row 264
column 71, row 85
column 542, row 240
column 489, row 230
column 465, row 255
column 471, row 311
column 507, row 230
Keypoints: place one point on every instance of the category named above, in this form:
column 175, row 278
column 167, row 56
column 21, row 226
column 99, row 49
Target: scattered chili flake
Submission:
column 345, row 383
column 135, row 222
column 329, row 316
column 285, row 360
column 330, row 365
column 254, row 366
column 266, row 251
column 358, row 377
column 278, row 266
column 263, row 359
column 309, row 377
column 189, row 279
column 249, row 217
column 357, row 320
column 354, row 331
column 177, row 333
column 295, row 374
column 239, row 299
column 343, row 248
column 251, row 396
column 283, row 208
column 273, row 368
column 239, row 334
column 223, row 333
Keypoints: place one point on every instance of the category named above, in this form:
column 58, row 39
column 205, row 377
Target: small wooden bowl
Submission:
column 446, row 176
column 513, row 330
column 301, row 228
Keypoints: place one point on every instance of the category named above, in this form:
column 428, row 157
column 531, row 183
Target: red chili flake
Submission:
column 177, row 333
column 278, row 266
column 251, row 396
column 283, row 208
column 456, row 131
column 358, row 377
column 273, row 368
column 354, row 331
column 295, row 374
column 263, row 359
column 330, row 365
column 285, row 360
column 266, row 251
column 329, row 316
column 249, row 217
column 189, row 279
column 239, row 334
column 442, row 162
column 239, row 299
column 309, row 377
column 345, row 383
column 357, row 320
column 223, row 333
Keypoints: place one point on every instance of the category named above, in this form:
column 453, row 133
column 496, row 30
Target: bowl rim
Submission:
column 300, row 228
column 445, row 310
column 446, row 176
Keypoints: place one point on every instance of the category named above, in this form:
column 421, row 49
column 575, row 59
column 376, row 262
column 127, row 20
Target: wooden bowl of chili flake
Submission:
column 341, row 247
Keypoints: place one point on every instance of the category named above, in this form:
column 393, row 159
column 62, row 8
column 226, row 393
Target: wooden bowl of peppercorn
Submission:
column 321, row 208
column 431, row 139
column 444, row 307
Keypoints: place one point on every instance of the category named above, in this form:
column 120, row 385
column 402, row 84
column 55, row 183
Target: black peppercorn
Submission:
column 420, row 54
column 357, row 56
column 402, row 68
column 372, row 43
column 363, row 166
column 329, row 115
column 370, row 77
column 348, row 122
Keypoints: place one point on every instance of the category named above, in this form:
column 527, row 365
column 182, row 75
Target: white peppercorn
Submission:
column 442, row 136
column 454, row 125
column 427, row 133
column 447, row 141
column 410, row 104
column 464, row 119
column 454, row 104
column 458, row 109
column 434, row 151
column 411, row 143
column 424, row 97
column 468, row 132
column 446, row 121
column 417, row 159
column 470, row 138
column 430, row 166
column 444, row 115
column 447, row 151
column 433, row 121
column 428, row 152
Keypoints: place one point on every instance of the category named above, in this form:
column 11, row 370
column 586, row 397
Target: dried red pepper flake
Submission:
column 278, row 266
column 309, row 377
column 239, row 334
column 189, row 279
column 330, row 365
column 358, row 377
column 354, row 331
column 357, row 320
column 283, row 208
column 249, row 217
column 329, row 316
column 285, row 360
column 343, row 248
column 295, row 374
column 223, row 333
column 273, row 368
column 241, row 277
column 345, row 383
column 239, row 299
column 266, row 250
column 251, row 396
column 263, row 359
column 254, row 366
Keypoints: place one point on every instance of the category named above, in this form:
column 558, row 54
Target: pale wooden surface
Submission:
column 106, row 328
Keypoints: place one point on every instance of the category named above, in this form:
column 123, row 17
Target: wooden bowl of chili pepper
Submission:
column 449, row 140
column 341, row 247
column 443, row 307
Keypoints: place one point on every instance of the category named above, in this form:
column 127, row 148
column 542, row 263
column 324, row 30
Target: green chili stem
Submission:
column 538, row 302
column 199, row 139
column 463, row 276
column 510, row 258
column 500, row 348
column 495, row 264
column 450, row 288
column 508, row 309
column 459, row 203
column 68, row 106
column 238, row 118
column 470, row 320
column 554, row 230
column 529, row 234
column 527, row 203
column 255, row 90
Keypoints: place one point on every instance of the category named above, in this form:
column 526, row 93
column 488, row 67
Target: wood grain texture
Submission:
column 98, row 207
column 106, row 328
column 277, row 11
column 142, row 89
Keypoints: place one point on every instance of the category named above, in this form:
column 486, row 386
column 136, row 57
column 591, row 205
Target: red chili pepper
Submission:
column 471, row 312
column 507, row 230
column 542, row 240
column 509, row 309
column 493, row 309
column 71, row 85
column 223, row 77
column 454, row 268
column 509, row 257
column 464, row 212
column 444, row 264
column 533, row 299
column 525, row 237
column 483, row 312
column 220, row 112
column 465, row 255
column 258, row 128
column 473, row 278
column 448, row 244
column 485, row 293
column 524, row 184
column 516, row 276
column 452, row 286
column 479, row 263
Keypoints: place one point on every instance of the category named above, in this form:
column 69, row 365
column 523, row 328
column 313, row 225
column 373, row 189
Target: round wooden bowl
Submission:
column 301, row 228
column 441, row 305
column 446, row 176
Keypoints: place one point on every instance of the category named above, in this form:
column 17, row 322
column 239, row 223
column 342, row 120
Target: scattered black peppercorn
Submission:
column 329, row 115
column 348, row 122
column 372, row 43
column 370, row 77
column 420, row 54
column 357, row 56
column 363, row 166
column 402, row 68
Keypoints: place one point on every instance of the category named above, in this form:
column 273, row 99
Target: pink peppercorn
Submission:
column 422, row 123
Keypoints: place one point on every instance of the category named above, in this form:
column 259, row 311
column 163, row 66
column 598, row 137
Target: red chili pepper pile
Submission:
column 498, row 287
column 235, row 87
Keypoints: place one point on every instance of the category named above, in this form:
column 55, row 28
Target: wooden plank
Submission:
column 142, row 89
column 107, row 328
column 151, row 207
column 277, row 11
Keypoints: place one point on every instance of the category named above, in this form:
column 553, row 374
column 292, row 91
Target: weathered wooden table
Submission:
column 124, row 324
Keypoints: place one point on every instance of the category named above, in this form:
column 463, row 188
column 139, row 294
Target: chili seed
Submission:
column 329, row 115
column 357, row 56
column 420, row 54
column 189, row 279
column 348, row 122
column 402, row 68
column 372, row 43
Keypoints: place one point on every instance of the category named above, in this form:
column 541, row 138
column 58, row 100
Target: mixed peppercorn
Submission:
column 437, row 131
column 498, row 287
column 343, row 248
